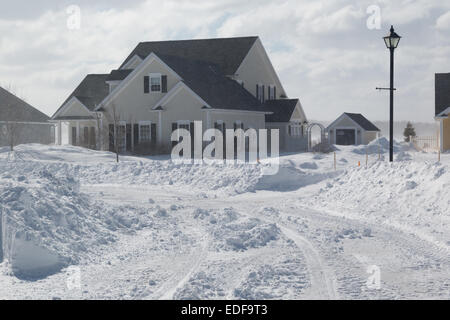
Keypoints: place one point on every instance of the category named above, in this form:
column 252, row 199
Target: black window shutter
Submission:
column 146, row 84
column 136, row 134
column 224, row 140
column 174, row 127
column 289, row 129
column 275, row 92
column 263, row 93
column 153, row 133
column 257, row 92
column 191, row 127
column 164, row 84
column 111, row 137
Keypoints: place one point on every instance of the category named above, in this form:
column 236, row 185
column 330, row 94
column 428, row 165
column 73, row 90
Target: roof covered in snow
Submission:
column 13, row 108
column 227, row 53
column 442, row 92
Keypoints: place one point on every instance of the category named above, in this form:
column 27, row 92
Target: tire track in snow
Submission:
column 171, row 287
column 322, row 280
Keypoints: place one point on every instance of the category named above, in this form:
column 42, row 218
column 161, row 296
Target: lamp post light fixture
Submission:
column 391, row 42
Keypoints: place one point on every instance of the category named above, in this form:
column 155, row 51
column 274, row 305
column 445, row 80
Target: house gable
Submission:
column 129, row 96
column 257, row 68
column 71, row 109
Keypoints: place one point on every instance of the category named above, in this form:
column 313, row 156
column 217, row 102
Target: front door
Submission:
column 74, row 136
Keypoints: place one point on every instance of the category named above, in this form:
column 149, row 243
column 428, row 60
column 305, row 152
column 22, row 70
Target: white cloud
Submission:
column 443, row 22
column 322, row 49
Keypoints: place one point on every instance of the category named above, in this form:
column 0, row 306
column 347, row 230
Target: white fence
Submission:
column 426, row 143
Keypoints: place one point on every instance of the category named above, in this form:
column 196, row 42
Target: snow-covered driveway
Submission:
column 154, row 230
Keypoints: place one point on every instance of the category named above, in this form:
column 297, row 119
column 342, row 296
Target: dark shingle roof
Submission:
column 282, row 109
column 209, row 82
column 13, row 108
column 226, row 53
column 118, row 75
column 362, row 121
column 442, row 92
column 91, row 91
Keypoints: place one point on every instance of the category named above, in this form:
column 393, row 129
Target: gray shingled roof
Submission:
column 209, row 82
column 442, row 92
column 226, row 53
column 362, row 121
column 13, row 108
column 282, row 109
column 91, row 91
column 117, row 75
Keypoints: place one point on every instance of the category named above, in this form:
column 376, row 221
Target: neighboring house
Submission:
column 442, row 108
column 352, row 129
column 21, row 123
column 161, row 86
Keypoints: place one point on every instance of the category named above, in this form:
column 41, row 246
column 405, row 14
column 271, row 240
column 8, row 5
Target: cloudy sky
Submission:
column 328, row 53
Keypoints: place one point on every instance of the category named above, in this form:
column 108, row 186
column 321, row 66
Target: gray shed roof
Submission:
column 282, row 109
column 13, row 108
column 226, row 53
column 442, row 92
column 362, row 121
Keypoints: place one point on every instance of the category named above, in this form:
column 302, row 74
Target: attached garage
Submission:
column 352, row 129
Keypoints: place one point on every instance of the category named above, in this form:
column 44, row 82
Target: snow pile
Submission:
column 410, row 195
column 48, row 224
column 234, row 232
column 381, row 145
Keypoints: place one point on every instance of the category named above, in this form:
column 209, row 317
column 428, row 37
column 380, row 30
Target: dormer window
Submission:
column 272, row 93
column 155, row 82
column 260, row 93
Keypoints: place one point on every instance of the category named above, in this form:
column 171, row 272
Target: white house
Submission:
column 442, row 109
column 225, row 83
column 352, row 129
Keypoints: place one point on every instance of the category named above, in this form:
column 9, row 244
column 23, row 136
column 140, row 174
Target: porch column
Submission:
column 78, row 134
column 59, row 134
column 132, row 137
column 441, row 134
column 159, row 139
column 100, row 138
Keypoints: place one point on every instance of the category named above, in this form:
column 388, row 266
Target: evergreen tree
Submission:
column 409, row 132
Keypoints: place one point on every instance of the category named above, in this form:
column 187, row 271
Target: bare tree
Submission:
column 118, row 133
column 11, row 128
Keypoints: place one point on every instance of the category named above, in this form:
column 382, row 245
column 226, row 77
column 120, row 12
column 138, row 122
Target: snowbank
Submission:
column 48, row 224
column 409, row 195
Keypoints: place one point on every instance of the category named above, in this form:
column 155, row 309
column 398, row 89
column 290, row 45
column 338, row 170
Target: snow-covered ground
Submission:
column 77, row 225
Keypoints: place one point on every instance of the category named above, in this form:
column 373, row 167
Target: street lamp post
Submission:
column 391, row 42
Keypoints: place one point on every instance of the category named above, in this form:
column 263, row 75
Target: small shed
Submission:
column 352, row 129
